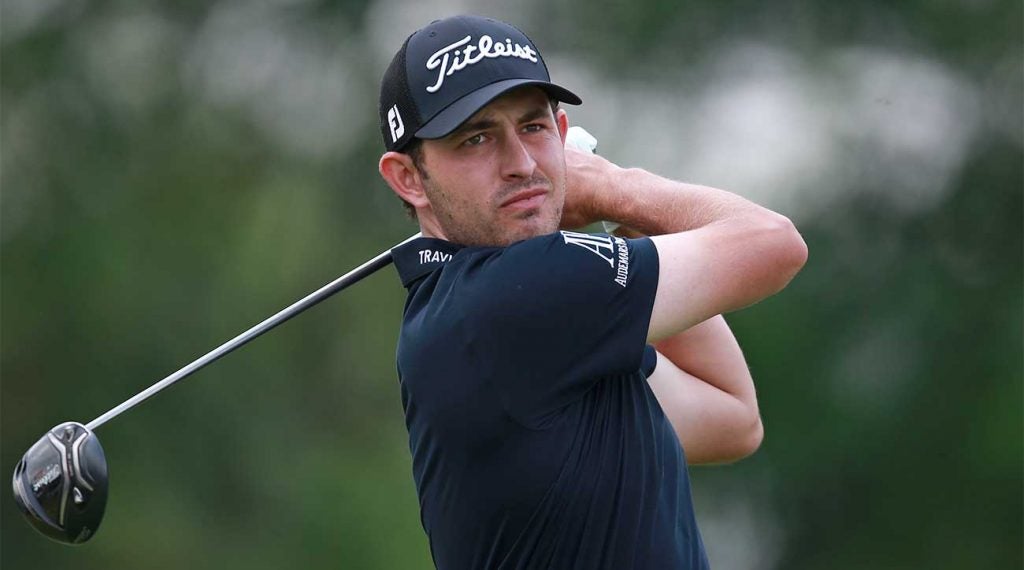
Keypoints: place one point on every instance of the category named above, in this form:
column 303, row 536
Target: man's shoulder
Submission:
column 554, row 267
column 562, row 250
column 552, row 260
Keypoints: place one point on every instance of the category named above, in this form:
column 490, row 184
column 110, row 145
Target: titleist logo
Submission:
column 459, row 59
column 51, row 473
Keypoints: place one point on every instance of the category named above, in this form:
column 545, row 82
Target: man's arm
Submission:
column 705, row 388
column 717, row 252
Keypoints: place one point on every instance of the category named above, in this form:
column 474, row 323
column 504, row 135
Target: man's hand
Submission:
column 587, row 175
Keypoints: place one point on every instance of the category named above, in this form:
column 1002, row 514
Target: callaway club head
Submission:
column 61, row 483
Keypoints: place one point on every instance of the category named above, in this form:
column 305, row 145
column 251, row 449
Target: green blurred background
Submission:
column 173, row 172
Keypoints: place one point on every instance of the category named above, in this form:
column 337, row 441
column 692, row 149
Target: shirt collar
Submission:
column 421, row 256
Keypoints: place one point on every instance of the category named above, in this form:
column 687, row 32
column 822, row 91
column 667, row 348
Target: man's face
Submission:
column 500, row 177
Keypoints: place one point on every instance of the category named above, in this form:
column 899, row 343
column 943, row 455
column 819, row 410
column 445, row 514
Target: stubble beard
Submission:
column 464, row 227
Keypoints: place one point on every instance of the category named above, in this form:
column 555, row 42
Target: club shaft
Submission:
column 368, row 268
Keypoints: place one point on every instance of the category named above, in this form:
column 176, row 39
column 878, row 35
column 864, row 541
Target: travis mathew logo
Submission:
column 471, row 54
column 431, row 256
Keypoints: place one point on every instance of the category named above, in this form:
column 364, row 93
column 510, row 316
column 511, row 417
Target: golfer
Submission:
column 555, row 383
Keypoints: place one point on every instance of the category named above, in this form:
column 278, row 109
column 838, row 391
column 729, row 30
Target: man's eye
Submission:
column 533, row 128
column 474, row 140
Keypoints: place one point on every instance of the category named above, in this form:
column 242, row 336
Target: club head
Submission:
column 61, row 484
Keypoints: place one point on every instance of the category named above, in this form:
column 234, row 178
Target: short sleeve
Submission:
column 554, row 314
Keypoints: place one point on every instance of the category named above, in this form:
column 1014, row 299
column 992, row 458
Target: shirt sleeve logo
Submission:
column 600, row 246
column 622, row 271
column 607, row 248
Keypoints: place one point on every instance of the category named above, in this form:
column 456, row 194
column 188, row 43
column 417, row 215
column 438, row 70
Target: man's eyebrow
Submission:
column 484, row 123
column 538, row 113
column 481, row 124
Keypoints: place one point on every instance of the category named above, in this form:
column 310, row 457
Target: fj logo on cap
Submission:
column 462, row 58
column 395, row 123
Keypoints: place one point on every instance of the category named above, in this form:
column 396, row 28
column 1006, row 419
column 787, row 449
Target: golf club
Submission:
column 61, row 482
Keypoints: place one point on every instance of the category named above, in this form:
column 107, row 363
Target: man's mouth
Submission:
column 525, row 199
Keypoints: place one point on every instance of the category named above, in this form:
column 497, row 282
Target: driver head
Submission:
column 61, row 483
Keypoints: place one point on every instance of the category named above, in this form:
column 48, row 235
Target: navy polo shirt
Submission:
column 536, row 441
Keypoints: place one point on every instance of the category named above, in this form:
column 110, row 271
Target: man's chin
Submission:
column 501, row 233
column 529, row 228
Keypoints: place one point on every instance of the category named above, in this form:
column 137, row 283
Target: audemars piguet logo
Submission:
column 609, row 248
column 454, row 57
column 596, row 244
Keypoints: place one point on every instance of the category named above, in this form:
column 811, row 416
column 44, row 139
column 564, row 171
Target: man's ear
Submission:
column 403, row 177
column 562, row 120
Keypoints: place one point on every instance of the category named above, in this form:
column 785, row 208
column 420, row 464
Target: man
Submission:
column 545, row 431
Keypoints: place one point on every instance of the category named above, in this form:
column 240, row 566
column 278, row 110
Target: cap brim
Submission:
column 455, row 114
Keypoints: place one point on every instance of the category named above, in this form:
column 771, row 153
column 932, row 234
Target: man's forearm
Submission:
column 654, row 205
column 706, row 392
column 710, row 352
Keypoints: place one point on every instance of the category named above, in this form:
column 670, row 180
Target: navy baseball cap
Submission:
column 449, row 70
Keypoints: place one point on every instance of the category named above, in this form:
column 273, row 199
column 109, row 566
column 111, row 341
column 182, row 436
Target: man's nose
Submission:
column 516, row 160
